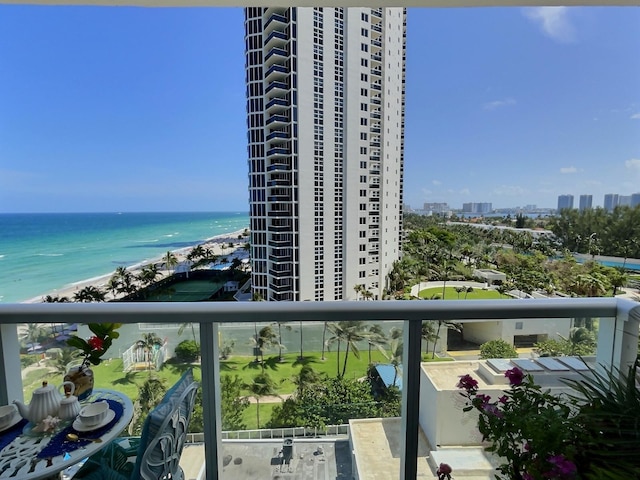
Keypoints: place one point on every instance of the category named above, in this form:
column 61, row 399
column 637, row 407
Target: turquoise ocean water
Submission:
column 42, row 252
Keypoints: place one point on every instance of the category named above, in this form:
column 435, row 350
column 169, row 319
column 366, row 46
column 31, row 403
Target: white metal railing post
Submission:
column 411, row 358
column 10, row 368
column 210, row 367
column 618, row 337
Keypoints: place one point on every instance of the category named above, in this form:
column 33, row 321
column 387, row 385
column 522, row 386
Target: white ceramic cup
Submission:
column 94, row 413
column 7, row 415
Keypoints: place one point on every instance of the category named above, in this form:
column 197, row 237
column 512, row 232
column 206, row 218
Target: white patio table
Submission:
column 35, row 456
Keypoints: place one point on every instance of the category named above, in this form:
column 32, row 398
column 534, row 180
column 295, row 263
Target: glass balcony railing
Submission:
column 617, row 341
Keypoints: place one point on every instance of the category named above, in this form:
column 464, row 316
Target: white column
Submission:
column 10, row 370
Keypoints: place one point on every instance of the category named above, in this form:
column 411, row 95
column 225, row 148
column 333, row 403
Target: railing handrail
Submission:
column 617, row 339
column 230, row 312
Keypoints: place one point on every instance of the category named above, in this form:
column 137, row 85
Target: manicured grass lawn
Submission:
column 249, row 415
column 283, row 373
column 451, row 294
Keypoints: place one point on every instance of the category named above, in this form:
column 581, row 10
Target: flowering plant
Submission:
column 533, row 430
column 97, row 345
column 589, row 433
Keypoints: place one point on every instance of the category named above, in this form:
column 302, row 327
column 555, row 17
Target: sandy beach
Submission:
column 219, row 246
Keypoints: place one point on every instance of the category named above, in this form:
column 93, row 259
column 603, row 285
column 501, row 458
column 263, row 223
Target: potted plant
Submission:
column 91, row 351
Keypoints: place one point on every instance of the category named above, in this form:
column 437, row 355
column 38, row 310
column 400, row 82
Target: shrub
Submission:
column 187, row 351
column 497, row 349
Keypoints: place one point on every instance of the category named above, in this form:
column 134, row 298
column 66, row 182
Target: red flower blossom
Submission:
column 444, row 471
column 468, row 383
column 96, row 343
column 515, row 376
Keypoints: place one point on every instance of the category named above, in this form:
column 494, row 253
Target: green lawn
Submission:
column 451, row 294
column 249, row 415
column 283, row 373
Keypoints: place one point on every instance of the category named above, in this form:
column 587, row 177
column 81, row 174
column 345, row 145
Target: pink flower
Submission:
column 515, row 376
column 468, row 383
column 96, row 343
column 562, row 465
column 444, row 471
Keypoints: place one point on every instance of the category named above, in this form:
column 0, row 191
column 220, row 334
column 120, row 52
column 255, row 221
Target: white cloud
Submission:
column 507, row 102
column 571, row 169
column 554, row 22
column 633, row 164
column 426, row 192
column 436, row 182
column 465, row 191
column 635, row 116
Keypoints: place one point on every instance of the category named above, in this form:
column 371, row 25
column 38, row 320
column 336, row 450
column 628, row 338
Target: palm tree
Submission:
column 376, row 338
column 56, row 299
column 358, row 288
column 428, row 334
column 459, row 290
column 261, row 385
column 307, row 378
column 396, row 347
column 196, row 253
column 288, row 327
column 170, row 261
column 324, row 342
column 467, row 291
column 148, row 274
column 265, row 339
column 337, row 335
column 89, row 294
column 32, row 334
column 353, row 331
column 149, row 342
column 193, row 330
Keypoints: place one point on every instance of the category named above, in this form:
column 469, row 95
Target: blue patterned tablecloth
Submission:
column 60, row 445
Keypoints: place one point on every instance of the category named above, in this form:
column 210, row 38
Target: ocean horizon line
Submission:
column 121, row 212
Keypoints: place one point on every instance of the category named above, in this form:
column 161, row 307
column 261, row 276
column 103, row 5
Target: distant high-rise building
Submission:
column 436, row 208
column 635, row 200
column 565, row 201
column 586, row 202
column 624, row 200
column 473, row 207
column 610, row 201
column 325, row 116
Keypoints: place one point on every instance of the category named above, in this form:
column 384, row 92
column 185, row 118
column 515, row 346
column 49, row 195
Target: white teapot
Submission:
column 44, row 402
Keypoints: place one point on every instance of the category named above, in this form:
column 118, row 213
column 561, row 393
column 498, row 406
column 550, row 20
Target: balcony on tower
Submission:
column 276, row 88
column 276, row 72
column 277, row 120
column 278, row 151
column 277, row 135
column 277, row 105
column 284, row 254
column 276, row 56
column 276, row 39
column 275, row 22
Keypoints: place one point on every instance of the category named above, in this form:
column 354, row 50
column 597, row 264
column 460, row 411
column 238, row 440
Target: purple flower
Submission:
column 444, row 471
column 468, row 383
column 503, row 399
column 527, row 476
column 492, row 409
column 484, row 399
column 562, row 465
column 515, row 376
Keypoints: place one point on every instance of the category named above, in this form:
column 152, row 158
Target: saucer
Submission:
column 78, row 426
column 12, row 423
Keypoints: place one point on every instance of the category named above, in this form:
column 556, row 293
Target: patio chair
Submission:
column 155, row 455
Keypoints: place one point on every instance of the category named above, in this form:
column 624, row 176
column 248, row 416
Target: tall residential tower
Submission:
column 325, row 118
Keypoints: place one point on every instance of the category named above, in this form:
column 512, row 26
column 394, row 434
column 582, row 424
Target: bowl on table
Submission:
column 93, row 414
column 8, row 415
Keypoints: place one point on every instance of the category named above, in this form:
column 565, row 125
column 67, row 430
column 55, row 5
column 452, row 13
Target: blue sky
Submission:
column 127, row 109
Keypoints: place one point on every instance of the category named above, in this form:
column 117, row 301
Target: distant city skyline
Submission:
column 144, row 109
